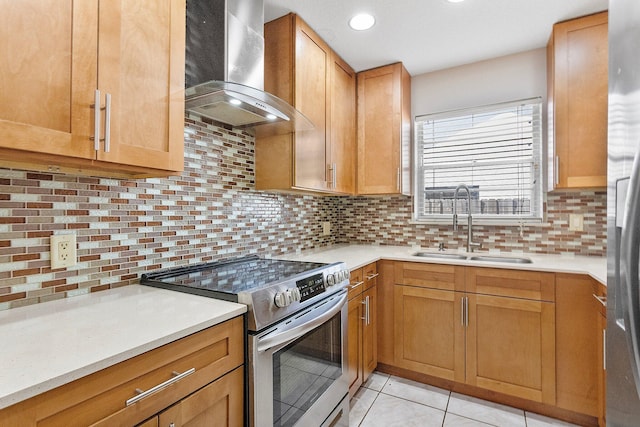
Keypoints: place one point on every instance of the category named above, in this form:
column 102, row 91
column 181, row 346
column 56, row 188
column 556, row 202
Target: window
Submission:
column 496, row 151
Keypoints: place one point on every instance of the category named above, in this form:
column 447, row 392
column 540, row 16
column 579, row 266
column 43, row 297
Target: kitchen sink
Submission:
column 512, row 260
column 439, row 255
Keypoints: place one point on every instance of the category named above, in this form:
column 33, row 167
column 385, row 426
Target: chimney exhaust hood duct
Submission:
column 224, row 73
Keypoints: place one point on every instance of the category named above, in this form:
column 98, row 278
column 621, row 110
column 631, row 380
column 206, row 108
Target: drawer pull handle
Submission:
column 355, row 285
column 601, row 300
column 372, row 276
column 143, row 394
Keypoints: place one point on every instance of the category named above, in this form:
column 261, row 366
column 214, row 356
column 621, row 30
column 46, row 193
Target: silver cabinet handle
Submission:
column 96, row 120
column 464, row 315
column 604, row 349
column 398, row 180
column 366, row 318
column 107, row 120
column 601, row 300
column 372, row 276
column 332, row 183
column 556, row 178
column 355, row 285
column 143, row 394
column 335, row 176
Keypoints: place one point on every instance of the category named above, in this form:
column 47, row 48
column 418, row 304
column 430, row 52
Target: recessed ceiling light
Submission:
column 362, row 21
column 455, row 1
column 235, row 101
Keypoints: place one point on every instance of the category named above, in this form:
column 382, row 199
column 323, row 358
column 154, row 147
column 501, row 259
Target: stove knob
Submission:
column 331, row 279
column 281, row 299
column 295, row 294
column 344, row 276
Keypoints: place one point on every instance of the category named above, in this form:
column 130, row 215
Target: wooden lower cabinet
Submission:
column 99, row 399
column 601, row 331
column 510, row 346
column 577, row 344
column 523, row 338
column 354, row 350
column 500, row 338
column 429, row 336
column 362, row 351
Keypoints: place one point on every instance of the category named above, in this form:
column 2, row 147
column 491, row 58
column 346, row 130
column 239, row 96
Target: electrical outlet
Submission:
column 576, row 222
column 63, row 251
column 326, row 228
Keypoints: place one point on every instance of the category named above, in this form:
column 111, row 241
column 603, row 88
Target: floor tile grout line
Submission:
column 369, row 408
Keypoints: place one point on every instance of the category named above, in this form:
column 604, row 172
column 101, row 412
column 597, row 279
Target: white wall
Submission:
column 508, row 78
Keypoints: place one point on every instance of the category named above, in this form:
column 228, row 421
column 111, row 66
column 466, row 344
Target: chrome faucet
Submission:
column 471, row 245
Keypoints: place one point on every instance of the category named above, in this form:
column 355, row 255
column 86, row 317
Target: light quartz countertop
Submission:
column 355, row 256
column 50, row 344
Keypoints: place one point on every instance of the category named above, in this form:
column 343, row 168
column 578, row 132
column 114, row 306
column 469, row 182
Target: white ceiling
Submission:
column 429, row 35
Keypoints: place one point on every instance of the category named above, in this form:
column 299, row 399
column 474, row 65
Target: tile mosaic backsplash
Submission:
column 386, row 221
column 127, row 227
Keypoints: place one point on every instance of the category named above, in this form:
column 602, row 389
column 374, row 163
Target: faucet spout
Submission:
column 471, row 245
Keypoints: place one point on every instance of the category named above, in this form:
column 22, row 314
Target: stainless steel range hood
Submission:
column 225, row 68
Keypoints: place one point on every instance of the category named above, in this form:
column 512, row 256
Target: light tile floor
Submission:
column 388, row 401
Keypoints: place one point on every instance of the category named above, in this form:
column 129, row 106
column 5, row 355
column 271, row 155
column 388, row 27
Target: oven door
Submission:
column 297, row 370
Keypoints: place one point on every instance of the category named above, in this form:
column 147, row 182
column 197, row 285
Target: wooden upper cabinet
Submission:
column 302, row 69
column 384, row 130
column 342, row 150
column 48, row 74
column 141, row 65
column 59, row 53
column 313, row 58
column 577, row 79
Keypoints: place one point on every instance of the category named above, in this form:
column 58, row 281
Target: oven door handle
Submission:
column 296, row 332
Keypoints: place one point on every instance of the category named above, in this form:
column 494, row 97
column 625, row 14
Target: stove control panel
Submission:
column 309, row 287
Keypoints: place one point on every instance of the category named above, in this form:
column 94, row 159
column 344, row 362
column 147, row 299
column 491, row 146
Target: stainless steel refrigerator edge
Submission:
column 623, row 216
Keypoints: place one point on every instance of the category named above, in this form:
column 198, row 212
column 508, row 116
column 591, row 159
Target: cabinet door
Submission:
column 219, row 404
column 429, row 335
column 141, row 65
column 578, row 94
column 48, row 77
column 511, row 346
column 342, row 146
column 312, row 68
column 354, row 349
column 369, row 332
column 602, row 369
column 385, row 311
column 384, row 128
column 577, row 337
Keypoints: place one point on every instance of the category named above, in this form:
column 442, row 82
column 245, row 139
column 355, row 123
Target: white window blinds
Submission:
column 495, row 150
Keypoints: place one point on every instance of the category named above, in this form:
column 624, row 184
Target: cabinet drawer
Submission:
column 356, row 283
column 100, row 399
column 435, row 276
column 370, row 273
column 511, row 283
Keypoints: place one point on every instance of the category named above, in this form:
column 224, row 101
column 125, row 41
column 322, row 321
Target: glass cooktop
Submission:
column 231, row 277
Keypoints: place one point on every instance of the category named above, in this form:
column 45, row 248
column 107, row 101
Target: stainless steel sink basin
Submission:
column 439, row 255
column 512, row 260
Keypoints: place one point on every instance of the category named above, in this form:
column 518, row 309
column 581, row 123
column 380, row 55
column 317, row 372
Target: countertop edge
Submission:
column 38, row 386
column 356, row 256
